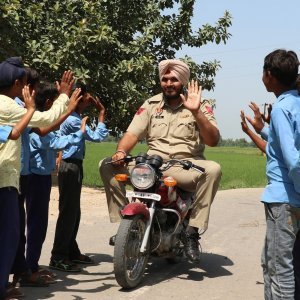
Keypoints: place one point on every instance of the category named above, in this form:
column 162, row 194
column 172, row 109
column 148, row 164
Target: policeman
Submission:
column 175, row 125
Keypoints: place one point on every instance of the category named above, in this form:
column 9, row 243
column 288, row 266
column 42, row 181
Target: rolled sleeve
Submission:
column 265, row 133
column 98, row 135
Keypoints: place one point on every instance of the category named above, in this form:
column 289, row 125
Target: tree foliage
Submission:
column 112, row 45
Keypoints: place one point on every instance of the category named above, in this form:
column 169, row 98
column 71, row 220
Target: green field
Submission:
column 241, row 167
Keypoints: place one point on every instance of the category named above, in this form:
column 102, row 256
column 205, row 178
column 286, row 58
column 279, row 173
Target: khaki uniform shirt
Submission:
column 170, row 133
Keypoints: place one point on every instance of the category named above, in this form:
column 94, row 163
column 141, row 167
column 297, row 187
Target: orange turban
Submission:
column 178, row 67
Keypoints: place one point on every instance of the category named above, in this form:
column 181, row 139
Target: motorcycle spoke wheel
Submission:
column 129, row 263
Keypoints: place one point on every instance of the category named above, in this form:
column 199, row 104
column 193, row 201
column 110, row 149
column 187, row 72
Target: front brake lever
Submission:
column 126, row 160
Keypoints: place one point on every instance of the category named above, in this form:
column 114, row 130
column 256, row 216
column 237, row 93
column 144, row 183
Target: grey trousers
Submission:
column 283, row 223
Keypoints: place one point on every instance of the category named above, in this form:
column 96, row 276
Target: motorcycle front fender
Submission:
column 135, row 208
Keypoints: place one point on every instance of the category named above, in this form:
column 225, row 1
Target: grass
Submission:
column 241, row 167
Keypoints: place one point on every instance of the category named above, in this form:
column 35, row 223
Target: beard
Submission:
column 174, row 96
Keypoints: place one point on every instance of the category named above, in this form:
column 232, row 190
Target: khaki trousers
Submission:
column 205, row 186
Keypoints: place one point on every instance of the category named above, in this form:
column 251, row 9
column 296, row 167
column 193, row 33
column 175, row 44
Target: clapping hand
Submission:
column 257, row 122
column 29, row 98
column 66, row 83
column 83, row 124
column 99, row 106
column 74, row 99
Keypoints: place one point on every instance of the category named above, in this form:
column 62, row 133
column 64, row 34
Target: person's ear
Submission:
column 48, row 104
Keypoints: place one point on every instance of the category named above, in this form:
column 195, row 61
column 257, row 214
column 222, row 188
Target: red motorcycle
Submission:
column 154, row 221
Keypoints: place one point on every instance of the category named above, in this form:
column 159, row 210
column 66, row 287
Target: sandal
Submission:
column 47, row 272
column 64, row 265
column 83, row 259
column 33, row 280
column 13, row 293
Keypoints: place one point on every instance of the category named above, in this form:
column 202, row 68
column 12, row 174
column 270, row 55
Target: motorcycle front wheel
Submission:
column 129, row 263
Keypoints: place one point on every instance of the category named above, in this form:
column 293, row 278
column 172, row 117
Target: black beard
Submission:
column 174, row 97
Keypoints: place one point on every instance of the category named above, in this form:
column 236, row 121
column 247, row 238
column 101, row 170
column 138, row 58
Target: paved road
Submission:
column 229, row 270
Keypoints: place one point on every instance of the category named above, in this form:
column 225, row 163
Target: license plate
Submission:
column 130, row 194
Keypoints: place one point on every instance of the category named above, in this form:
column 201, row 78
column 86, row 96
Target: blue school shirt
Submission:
column 4, row 133
column 43, row 150
column 283, row 157
column 25, row 146
column 71, row 125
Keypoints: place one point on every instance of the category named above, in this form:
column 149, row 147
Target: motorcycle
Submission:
column 154, row 220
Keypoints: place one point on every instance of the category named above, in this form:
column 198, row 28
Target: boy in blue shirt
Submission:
column 42, row 162
column 281, row 196
column 65, row 252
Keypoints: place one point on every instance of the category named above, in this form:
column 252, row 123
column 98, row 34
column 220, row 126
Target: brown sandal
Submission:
column 47, row 272
column 33, row 280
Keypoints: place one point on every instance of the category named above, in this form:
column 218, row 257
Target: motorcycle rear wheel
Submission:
column 129, row 263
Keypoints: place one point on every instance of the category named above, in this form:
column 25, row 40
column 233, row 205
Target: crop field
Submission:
column 241, row 167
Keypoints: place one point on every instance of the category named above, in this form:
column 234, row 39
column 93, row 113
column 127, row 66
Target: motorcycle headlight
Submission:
column 142, row 176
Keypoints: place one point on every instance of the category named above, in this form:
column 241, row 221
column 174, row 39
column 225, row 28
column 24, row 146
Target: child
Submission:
column 12, row 84
column 65, row 252
column 282, row 194
column 42, row 163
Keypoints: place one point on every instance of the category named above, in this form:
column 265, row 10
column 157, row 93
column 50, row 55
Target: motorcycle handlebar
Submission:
column 186, row 165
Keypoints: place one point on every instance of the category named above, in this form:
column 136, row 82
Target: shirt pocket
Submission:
column 158, row 128
column 185, row 128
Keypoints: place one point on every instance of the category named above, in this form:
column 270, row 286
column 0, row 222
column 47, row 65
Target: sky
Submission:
column 258, row 28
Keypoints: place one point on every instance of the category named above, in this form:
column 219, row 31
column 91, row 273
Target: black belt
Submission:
column 73, row 160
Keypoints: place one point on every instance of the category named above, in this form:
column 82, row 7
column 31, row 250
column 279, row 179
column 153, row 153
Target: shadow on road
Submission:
column 67, row 281
column 210, row 266
column 159, row 270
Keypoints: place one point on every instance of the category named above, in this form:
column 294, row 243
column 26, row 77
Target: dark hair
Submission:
column 44, row 92
column 10, row 70
column 33, row 77
column 80, row 85
column 283, row 65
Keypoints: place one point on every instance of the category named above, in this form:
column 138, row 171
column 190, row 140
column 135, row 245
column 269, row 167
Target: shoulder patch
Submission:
column 209, row 109
column 140, row 111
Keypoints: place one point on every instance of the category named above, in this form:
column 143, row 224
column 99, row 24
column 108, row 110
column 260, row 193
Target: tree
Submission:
column 113, row 46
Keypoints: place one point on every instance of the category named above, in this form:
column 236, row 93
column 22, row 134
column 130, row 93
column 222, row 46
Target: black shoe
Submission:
column 112, row 240
column 191, row 247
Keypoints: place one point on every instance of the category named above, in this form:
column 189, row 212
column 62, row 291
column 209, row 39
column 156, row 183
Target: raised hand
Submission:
column 74, row 99
column 83, row 124
column 29, row 98
column 193, row 99
column 267, row 117
column 244, row 124
column 66, row 83
column 257, row 121
column 99, row 106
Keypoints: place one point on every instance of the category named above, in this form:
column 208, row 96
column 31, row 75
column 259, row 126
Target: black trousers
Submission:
column 20, row 265
column 70, row 176
column 9, row 233
column 37, row 209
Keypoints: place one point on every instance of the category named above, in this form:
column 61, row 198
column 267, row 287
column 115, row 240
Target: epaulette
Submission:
column 156, row 98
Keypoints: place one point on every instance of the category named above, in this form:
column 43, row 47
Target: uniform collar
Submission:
column 164, row 103
column 287, row 93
